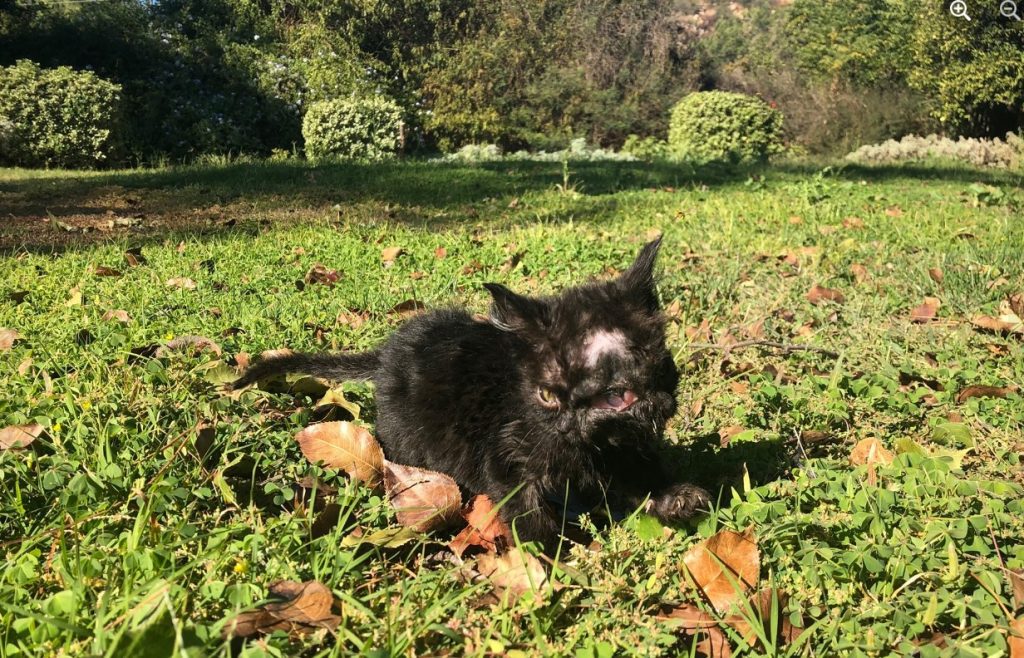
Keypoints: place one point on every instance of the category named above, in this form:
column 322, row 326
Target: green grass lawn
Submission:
column 153, row 506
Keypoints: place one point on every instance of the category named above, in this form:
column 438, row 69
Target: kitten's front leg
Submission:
column 679, row 502
column 528, row 514
column 642, row 476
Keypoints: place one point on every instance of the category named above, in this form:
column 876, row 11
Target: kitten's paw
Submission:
column 679, row 502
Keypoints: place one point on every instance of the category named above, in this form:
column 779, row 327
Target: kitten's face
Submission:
column 598, row 371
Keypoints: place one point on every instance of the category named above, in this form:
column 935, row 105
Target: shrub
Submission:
column 978, row 152
column 719, row 125
column 56, row 117
column 360, row 129
column 645, row 148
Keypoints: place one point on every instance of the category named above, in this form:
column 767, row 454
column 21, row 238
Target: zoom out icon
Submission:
column 1008, row 8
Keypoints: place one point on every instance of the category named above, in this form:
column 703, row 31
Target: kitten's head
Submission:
column 596, row 368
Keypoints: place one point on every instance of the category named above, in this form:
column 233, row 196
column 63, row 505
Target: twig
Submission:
column 785, row 347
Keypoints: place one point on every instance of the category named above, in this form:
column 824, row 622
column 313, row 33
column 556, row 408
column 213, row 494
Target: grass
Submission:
column 153, row 506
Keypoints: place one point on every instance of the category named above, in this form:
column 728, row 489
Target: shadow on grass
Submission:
column 198, row 200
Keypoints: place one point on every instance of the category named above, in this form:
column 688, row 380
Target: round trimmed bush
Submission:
column 720, row 125
column 358, row 129
column 56, row 117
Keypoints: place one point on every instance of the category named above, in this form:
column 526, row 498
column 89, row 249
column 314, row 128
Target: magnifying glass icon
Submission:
column 959, row 8
column 1008, row 8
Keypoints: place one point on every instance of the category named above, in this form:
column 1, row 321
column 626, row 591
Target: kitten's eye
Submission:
column 547, row 397
column 615, row 400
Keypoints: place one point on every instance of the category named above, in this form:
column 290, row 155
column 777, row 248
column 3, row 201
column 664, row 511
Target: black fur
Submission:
column 461, row 396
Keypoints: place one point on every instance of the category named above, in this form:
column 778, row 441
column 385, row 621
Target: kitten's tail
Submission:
column 360, row 366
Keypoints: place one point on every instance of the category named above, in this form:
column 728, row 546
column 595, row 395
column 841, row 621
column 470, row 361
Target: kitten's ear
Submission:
column 638, row 280
column 512, row 312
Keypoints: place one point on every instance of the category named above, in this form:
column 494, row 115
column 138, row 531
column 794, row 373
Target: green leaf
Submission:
column 953, row 434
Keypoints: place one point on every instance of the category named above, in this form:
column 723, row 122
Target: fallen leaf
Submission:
column 8, row 337
column 19, row 436
column 485, row 529
column 755, row 330
column 926, row 311
column 700, row 333
column 119, row 315
column 513, row 573
column 195, row 343
column 103, row 270
column 440, row 253
column 346, row 446
column 853, row 222
column 387, row 538
column 336, row 397
column 936, row 274
column 423, row 500
column 1016, row 577
column 859, row 272
column 894, row 211
column 322, row 275
column 977, row 391
column 352, row 318
column 307, row 607
column 1008, row 322
column 134, row 257
column 473, row 267
column 819, row 295
column 997, row 283
column 512, row 261
column 408, row 308
column 813, row 436
column 1016, row 304
column 1016, row 639
column 725, row 434
column 693, row 621
column 389, row 255
column 183, row 283
column 724, row 567
column 870, row 451
column 761, row 605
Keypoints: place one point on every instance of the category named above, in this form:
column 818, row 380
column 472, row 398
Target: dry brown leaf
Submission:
column 1016, row 639
column 181, row 282
column 485, row 528
column 984, row 392
column 1008, row 322
column 761, row 604
column 1016, row 304
column 870, row 451
column 1016, row 578
column 344, row 445
column 514, row 572
column 894, row 211
column 440, row 253
column 853, row 222
column 926, row 311
column 936, row 274
column 8, row 337
column 389, row 255
column 423, row 500
column 193, row 343
column 19, row 436
column 408, row 308
column 859, row 272
column 118, row 315
column 693, row 621
column 134, row 257
column 813, row 436
column 819, row 295
column 322, row 275
column 755, row 330
column 725, row 434
column 700, row 334
column 103, row 270
column 307, row 608
column 724, row 567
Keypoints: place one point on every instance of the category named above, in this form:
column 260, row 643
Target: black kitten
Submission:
column 550, row 397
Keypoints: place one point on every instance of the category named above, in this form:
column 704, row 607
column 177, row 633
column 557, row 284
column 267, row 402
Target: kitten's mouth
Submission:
column 615, row 400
